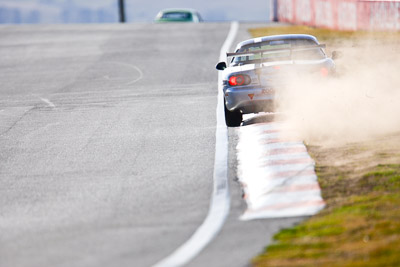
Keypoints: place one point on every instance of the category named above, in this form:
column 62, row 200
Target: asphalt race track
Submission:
column 107, row 143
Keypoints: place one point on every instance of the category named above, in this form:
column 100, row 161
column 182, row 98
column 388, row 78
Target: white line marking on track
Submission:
column 48, row 102
column 129, row 66
column 220, row 201
column 138, row 78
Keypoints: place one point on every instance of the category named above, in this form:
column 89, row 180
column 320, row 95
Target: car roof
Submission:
column 277, row 37
column 191, row 10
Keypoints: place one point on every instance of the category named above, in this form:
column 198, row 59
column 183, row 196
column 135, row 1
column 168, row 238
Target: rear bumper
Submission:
column 249, row 100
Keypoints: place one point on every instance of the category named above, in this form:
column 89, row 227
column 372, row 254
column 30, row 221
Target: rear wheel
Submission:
column 232, row 118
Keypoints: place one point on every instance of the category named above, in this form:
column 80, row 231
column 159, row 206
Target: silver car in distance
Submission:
column 250, row 81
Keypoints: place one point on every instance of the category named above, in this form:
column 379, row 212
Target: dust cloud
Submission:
column 360, row 102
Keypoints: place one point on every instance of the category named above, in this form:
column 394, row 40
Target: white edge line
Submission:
column 220, row 200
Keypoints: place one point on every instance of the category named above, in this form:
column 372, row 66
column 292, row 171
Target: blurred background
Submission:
column 106, row 11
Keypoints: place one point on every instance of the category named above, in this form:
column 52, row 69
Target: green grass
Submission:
column 362, row 230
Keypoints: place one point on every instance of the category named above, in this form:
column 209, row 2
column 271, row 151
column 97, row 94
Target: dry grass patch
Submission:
column 325, row 35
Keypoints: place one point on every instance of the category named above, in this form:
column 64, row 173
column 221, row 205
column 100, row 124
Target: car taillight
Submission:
column 324, row 72
column 238, row 80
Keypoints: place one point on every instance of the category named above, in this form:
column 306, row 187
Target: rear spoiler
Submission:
column 291, row 49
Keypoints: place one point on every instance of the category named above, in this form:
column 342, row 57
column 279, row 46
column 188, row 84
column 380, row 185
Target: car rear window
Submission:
column 177, row 16
column 310, row 54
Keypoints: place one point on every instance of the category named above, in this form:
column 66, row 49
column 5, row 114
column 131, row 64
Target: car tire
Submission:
column 232, row 118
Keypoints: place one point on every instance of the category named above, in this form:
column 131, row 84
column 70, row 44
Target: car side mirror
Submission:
column 221, row 66
column 336, row 55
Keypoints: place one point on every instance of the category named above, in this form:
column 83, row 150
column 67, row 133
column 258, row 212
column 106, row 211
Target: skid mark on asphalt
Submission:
column 277, row 174
column 11, row 117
